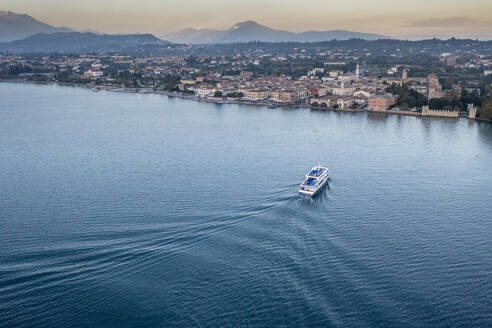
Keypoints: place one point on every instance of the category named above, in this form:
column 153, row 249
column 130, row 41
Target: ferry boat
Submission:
column 314, row 182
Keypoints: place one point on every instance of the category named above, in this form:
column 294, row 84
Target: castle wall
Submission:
column 426, row 111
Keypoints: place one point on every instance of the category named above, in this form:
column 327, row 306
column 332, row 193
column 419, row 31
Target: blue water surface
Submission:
column 130, row 210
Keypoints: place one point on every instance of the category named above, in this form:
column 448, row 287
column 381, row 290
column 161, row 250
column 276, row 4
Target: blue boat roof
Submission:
column 316, row 172
column 309, row 182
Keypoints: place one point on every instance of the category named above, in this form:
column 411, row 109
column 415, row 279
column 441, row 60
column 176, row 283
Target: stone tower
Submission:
column 435, row 88
column 434, row 82
column 357, row 71
column 472, row 111
column 425, row 110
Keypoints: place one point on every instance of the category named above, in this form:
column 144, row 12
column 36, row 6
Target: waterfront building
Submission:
column 345, row 102
column 202, row 92
column 380, row 103
column 256, row 94
column 283, row 96
column 93, row 74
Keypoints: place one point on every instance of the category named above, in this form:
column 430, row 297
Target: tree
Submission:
column 444, row 103
column 170, row 82
column 19, row 69
column 403, row 96
column 486, row 110
column 407, row 97
column 125, row 75
column 412, row 101
column 449, row 82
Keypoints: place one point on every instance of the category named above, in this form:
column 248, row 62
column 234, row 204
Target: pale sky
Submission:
column 396, row 18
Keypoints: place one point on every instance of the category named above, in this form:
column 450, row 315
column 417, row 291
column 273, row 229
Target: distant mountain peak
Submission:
column 250, row 30
column 248, row 23
column 14, row 14
column 15, row 26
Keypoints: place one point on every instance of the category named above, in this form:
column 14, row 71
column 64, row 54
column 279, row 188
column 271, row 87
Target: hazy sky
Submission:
column 461, row 18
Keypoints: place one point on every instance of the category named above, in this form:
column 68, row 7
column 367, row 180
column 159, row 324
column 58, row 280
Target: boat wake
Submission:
column 128, row 251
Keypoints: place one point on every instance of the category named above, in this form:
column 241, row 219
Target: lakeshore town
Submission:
column 445, row 84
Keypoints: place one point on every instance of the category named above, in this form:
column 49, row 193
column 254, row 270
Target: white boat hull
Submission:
column 314, row 182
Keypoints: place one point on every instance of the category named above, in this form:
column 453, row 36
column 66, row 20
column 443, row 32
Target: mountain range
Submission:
column 79, row 42
column 252, row 31
column 19, row 26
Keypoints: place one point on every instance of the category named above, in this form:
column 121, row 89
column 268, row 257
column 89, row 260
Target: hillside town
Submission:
column 446, row 84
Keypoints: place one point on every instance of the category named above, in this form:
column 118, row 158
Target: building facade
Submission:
column 380, row 103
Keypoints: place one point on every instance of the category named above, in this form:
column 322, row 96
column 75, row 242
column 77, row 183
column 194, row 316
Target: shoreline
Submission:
column 97, row 88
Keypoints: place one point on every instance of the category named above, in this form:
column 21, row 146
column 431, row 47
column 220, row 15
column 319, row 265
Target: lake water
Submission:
column 124, row 210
